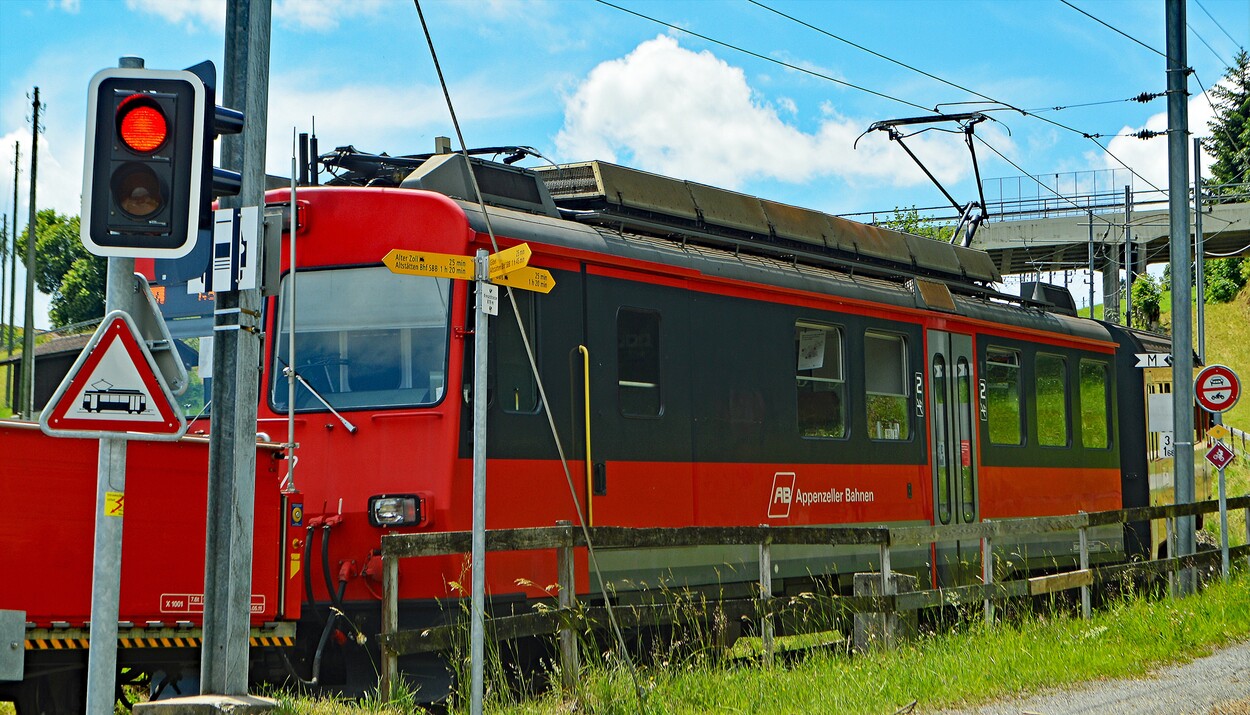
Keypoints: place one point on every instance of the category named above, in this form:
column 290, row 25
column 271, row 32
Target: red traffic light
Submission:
column 141, row 124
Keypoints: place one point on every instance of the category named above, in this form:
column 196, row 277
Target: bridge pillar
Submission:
column 1111, row 289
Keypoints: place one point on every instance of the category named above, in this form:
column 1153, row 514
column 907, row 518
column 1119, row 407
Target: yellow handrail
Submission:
column 590, row 511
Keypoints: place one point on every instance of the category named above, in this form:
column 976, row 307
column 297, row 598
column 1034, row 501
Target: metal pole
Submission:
column 477, row 633
column 28, row 332
column 1182, row 327
column 1199, row 263
column 11, row 380
column 236, row 357
column 1128, row 256
column 4, row 283
column 766, row 593
column 1090, row 214
column 106, row 561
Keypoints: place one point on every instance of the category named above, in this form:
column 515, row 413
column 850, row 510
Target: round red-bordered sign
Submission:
column 1217, row 388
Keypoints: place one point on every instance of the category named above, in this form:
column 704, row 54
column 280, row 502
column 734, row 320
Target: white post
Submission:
column 477, row 633
column 766, row 592
column 987, row 576
column 1085, row 604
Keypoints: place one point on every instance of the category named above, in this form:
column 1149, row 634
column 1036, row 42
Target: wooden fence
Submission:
column 568, row 617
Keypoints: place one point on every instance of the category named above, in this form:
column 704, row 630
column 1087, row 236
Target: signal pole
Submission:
column 10, row 379
column 28, row 335
column 236, row 358
column 1182, row 327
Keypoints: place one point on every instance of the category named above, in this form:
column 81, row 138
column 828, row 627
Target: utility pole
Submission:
column 1182, row 328
column 1199, row 268
column 28, row 335
column 12, row 379
column 236, row 359
column 1090, row 215
column 1128, row 256
column 4, row 282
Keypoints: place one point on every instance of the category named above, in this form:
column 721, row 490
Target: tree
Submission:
column 910, row 221
column 1229, row 143
column 66, row 271
column 1147, row 299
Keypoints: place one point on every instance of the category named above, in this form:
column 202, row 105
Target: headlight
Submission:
column 395, row 509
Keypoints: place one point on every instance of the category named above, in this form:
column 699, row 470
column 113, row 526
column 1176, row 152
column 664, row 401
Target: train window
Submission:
column 1002, row 382
column 885, row 385
column 638, row 362
column 1095, row 433
column 1052, row 400
column 516, row 387
column 967, row 477
column 819, row 381
column 365, row 337
column 941, row 431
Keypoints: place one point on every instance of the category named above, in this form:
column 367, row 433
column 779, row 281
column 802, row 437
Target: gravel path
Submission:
column 1218, row 684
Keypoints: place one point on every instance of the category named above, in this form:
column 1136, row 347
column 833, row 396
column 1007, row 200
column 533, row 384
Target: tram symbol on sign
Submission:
column 103, row 397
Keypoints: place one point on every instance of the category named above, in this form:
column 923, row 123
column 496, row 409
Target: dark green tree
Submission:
column 1229, row 143
column 66, row 271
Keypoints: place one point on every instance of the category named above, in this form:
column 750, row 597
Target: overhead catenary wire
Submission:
column 529, row 353
column 765, row 58
column 1113, row 28
column 1217, row 24
column 1005, row 105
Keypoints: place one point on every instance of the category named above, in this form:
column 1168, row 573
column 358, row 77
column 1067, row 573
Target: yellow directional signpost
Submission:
column 508, row 260
column 424, row 263
column 507, row 267
column 535, row 279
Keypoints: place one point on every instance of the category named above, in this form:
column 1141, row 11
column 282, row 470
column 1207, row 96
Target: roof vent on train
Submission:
column 1057, row 299
column 597, row 191
column 501, row 185
column 445, row 172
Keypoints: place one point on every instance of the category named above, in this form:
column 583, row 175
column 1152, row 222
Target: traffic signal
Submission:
column 144, row 164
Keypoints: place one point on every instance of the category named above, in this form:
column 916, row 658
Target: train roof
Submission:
column 617, row 211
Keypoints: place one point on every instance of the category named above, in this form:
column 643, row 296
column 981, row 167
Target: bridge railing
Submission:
column 1020, row 198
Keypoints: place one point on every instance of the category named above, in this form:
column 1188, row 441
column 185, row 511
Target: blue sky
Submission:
column 579, row 79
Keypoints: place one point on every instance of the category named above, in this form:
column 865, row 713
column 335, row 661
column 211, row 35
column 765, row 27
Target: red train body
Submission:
column 741, row 372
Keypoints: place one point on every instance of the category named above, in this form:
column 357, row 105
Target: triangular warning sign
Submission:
column 113, row 388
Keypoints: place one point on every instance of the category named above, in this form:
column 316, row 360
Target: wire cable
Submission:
column 1008, row 106
column 590, row 550
column 1113, row 28
column 1217, row 24
column 765, row 58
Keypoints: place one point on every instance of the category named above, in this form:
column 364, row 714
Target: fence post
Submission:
column 766, row 594
column 987, row 577
column 1247, row 519
column 566, row 577
column 1168, row 525
column 390, row 625
column 1085, row 605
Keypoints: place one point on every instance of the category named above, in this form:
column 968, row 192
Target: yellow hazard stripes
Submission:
column 76, row 643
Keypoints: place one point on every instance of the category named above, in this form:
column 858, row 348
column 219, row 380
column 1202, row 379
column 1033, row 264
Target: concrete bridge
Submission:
column 1093, row 221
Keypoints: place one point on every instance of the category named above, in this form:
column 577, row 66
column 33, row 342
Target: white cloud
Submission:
column 209, row 13
column 317, row 15
column 1149, row 158
column 673, row 111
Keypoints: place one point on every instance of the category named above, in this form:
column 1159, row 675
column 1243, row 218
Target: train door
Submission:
column 638, row 339
column 954, row 449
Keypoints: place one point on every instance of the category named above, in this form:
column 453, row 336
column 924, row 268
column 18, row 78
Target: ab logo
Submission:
column 782, row 495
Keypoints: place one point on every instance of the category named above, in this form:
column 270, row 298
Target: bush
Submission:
column 1147, row 296
column 1225, row 277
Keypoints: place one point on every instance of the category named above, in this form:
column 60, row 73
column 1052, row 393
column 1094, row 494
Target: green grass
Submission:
column 974, row 665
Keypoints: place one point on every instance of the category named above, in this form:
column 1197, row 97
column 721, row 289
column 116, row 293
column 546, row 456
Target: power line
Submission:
column 758, row 56
column 871, row 52
column 1112, row 28
column 1092, row 137
column 1217, row 24
column 1206, row 44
